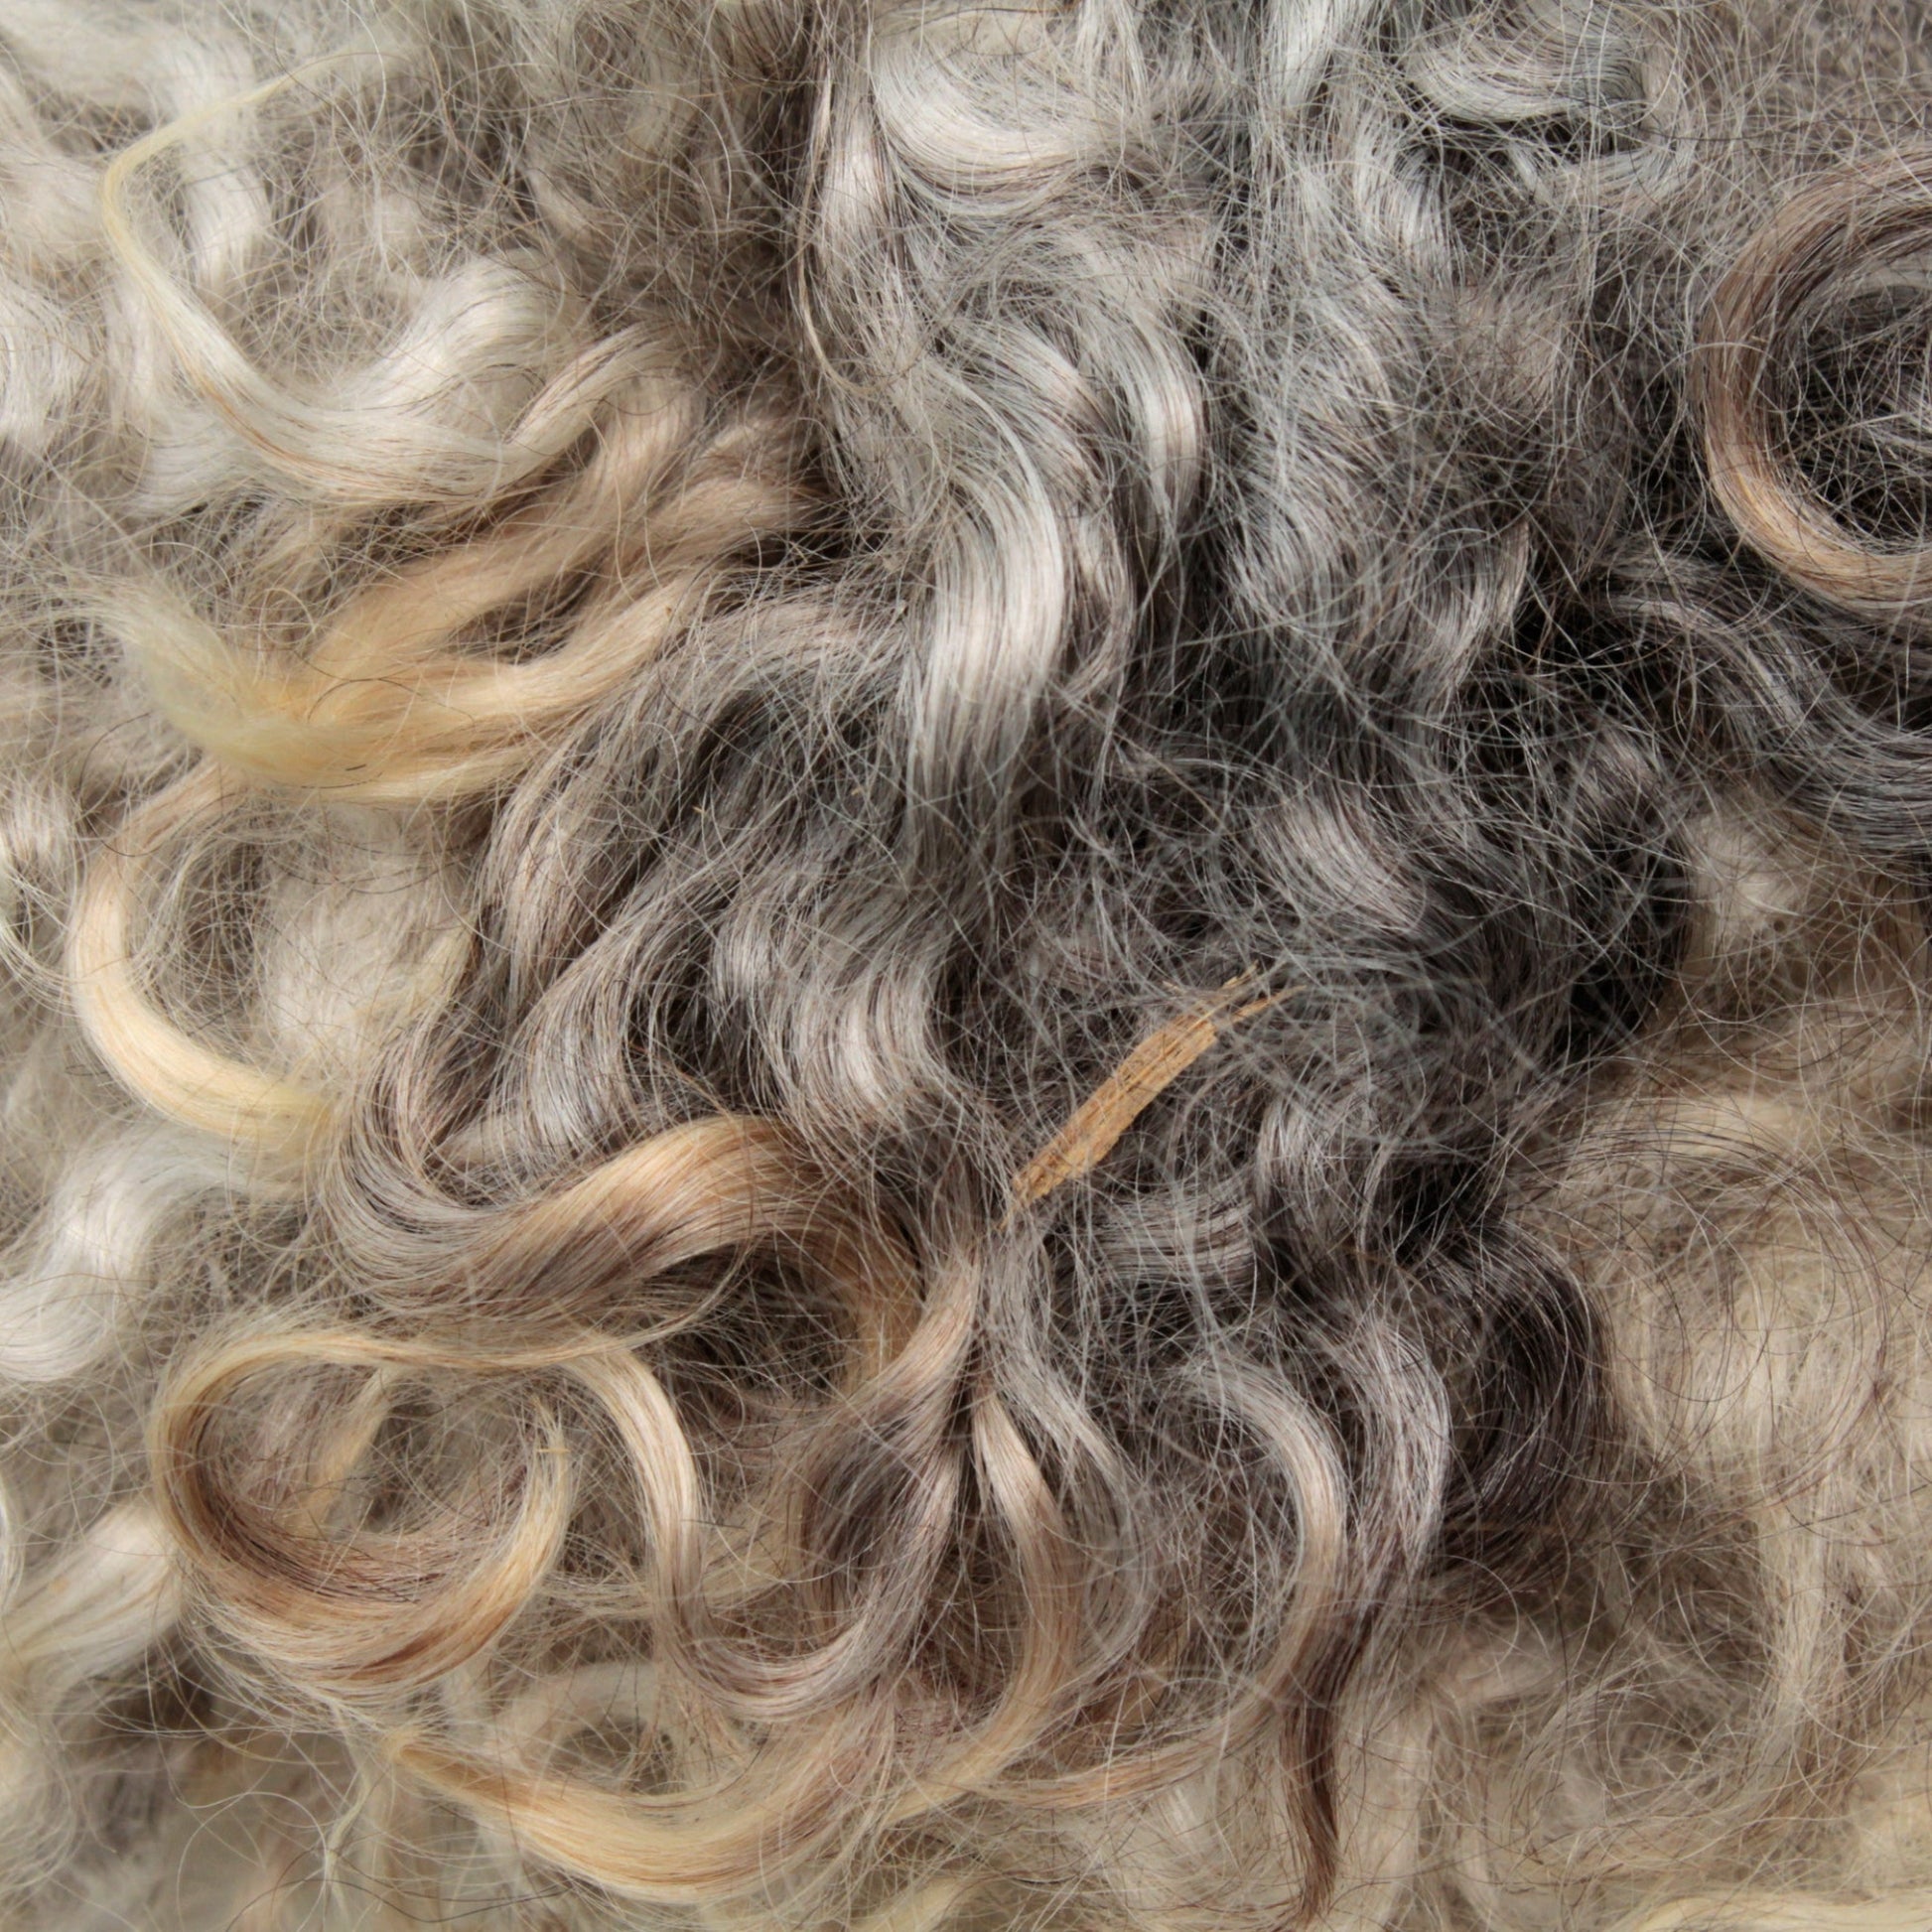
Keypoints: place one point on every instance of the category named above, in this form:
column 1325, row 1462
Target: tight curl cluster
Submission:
column 964, row 967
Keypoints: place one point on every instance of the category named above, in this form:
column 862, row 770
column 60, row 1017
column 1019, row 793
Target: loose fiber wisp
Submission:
column 965, row 968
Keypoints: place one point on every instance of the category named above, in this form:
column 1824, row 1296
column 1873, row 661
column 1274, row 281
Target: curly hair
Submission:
column 965, row 966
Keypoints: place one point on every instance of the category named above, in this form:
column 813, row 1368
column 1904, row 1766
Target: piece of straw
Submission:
column 1133, row 1085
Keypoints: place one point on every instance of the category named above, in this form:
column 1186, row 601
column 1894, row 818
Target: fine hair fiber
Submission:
column 964, row 968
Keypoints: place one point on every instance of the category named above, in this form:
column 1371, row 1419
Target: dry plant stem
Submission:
column 1097, row 1124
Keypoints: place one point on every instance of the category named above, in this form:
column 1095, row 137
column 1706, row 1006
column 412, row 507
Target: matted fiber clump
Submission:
column 964, row 968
